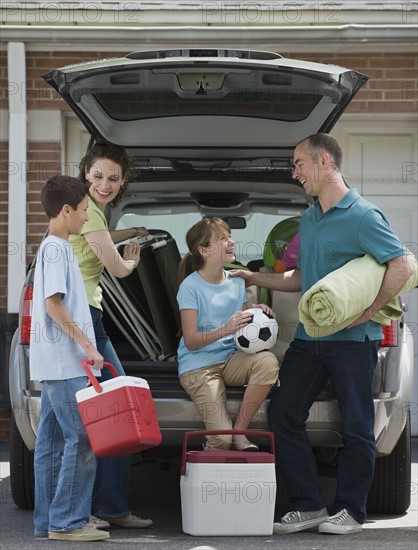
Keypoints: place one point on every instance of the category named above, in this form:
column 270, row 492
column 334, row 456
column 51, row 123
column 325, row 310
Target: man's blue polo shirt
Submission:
column 350, row 229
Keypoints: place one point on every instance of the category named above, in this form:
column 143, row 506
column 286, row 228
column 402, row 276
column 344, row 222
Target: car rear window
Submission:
column 287, row 106
column 249, row 242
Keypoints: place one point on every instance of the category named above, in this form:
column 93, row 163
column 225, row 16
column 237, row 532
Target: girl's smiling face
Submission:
column 220, row 248
column 105, row 177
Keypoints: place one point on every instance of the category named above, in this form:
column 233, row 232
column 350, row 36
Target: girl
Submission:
column 212, row 307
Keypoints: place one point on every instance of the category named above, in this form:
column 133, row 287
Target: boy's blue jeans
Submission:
column 110, row 494
column 306, row 367
column 65, row 465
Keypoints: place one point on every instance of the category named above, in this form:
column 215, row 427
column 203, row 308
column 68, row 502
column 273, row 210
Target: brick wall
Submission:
column 392, row 88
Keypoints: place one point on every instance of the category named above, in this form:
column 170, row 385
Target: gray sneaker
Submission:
column 340, row 524
column 293, row 522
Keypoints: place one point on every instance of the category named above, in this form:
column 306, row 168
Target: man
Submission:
column 337, row 228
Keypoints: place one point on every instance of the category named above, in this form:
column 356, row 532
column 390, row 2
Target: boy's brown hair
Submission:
column 61, row 190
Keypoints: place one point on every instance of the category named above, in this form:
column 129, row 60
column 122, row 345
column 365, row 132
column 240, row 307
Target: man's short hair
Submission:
column 320, row 143
column 61, row 190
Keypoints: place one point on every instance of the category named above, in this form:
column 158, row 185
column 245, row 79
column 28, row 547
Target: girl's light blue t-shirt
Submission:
column 215, row 303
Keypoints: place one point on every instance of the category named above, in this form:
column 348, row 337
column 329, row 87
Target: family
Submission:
column 77, row 495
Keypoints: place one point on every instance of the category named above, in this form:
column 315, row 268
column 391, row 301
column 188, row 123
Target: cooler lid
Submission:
column 228, row 457
column 111, row 385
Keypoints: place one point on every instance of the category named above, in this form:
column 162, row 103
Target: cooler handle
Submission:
column 188, row 435
column 95, row 383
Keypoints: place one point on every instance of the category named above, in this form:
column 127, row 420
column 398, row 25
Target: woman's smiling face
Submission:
column 105, row 177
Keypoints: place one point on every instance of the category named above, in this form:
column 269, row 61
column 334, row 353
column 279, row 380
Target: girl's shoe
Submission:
column 244, row 446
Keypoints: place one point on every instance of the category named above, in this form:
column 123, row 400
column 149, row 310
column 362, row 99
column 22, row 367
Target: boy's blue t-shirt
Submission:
column 215, row 303
column 54, row 355
column 350, row 229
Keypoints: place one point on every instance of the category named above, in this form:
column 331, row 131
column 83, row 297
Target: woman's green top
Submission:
column 88, row 255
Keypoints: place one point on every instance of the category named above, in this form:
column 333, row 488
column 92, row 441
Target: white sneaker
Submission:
column 292, row 522
column 83, row 534
column 340, row 524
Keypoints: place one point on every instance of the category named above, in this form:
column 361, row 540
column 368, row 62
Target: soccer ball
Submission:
column 260, row 334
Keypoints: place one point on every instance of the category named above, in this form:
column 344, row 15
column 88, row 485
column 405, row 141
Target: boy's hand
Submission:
column 97, row 359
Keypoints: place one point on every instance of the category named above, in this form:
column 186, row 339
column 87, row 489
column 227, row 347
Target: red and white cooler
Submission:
column 228, row 492
column 118, row 414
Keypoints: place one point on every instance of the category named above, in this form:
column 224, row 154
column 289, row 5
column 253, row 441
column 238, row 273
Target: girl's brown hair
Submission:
column 198, row 235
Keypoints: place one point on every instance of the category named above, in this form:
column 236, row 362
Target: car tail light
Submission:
column 26, row 314
column 390, row 335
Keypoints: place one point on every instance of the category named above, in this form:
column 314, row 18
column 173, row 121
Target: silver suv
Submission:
column 211, row 133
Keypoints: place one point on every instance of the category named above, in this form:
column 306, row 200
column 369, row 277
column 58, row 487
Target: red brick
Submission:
column 389, row 62
column 368, row 95
column 387, row 84
column 393, row 106
column 403, row 74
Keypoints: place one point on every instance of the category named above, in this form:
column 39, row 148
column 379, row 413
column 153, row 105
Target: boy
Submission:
column 61, row 337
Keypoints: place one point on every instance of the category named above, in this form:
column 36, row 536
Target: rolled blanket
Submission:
column 340, row 297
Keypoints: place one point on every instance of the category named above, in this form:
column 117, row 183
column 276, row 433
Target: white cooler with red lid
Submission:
column 228, row 492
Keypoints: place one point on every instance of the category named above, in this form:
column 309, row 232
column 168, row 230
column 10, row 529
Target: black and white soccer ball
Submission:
column 260, row 334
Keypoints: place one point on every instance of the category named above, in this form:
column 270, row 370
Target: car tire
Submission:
column 390, row 492
column 22, row 477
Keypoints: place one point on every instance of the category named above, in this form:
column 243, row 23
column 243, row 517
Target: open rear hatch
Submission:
column 206, row 103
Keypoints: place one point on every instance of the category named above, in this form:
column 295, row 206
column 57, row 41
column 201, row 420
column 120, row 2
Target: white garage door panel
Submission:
column 366, row 157
column 380, row 153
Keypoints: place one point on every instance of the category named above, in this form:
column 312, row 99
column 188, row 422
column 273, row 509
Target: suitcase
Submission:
column 118, row 414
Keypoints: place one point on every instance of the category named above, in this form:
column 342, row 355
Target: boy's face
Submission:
column 77, row 218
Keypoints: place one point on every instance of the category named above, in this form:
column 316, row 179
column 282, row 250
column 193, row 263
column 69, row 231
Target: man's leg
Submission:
column 302, row 377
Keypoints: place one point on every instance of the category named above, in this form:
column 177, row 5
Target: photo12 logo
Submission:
column 235, row 492
column 270, row 12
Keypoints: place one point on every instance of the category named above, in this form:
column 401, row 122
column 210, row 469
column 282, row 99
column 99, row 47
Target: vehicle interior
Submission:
column 142, row 313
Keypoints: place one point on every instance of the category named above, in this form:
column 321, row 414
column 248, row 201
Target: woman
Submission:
column 212, row 308
column 104, row 169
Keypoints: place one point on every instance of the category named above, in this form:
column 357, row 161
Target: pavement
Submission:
column 154, row 492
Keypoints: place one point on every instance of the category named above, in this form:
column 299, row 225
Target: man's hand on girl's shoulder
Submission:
column 244, row 274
